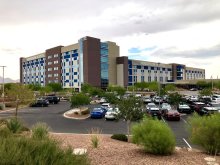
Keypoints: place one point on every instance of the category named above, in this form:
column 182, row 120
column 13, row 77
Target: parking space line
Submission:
column 163, row 119
column 184, row 120
column 187, row 143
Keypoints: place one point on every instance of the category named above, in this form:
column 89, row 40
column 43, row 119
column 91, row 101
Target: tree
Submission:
column 130, row 109
column 118, row 89
column 141, row 85
column 56, row 87
column 86, row 88
column 153, row 86
column 46, row 89
column 170, row 87
column 205, row 92
column 111, row 98
column 203, row 84
column 35, row 87
column 20, row 94
column 175, row 99
column 79, row 99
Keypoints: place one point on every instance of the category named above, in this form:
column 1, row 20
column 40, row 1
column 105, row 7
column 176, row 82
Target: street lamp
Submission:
column 3, row 86
column 159, row 83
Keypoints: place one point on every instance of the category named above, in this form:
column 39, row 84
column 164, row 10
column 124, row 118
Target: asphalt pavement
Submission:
column 53, row 116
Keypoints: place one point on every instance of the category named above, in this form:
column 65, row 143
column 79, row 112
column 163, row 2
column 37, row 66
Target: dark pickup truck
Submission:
column 53, row 99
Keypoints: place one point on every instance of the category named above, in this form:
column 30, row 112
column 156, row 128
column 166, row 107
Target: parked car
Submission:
column 171, row 114
column 154, row 112
column 106, row 106
column 111, row 114
column 158, row 100
column 102, row 100
column 208, row 111
column 40, row 103
column 214, row 104
column 147, row 99
column 183, row 108
column 165, row 106
column 205, row 99
column 196, row 106
column 150, row 105
column 53, row 99
column 194, row 98
column 97, row 113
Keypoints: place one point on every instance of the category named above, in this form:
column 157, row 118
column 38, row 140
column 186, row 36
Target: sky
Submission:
column 166, row 31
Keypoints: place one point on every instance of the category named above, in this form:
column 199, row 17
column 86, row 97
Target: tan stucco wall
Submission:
column 113, row 53
column 69, row 47
column 120, row 75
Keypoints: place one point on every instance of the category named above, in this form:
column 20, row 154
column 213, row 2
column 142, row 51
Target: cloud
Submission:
column 196, row 54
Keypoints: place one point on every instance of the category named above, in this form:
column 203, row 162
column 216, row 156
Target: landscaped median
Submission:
column 77, row 113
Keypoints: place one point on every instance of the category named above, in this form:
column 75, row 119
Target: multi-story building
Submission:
column 131, row 71
column 97, row 63
column 88, row 61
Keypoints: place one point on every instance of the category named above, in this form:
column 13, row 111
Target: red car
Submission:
column 171, row 114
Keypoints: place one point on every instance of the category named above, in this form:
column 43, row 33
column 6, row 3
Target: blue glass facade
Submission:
column 34, row 71
column 104, row 65
column 70, row 68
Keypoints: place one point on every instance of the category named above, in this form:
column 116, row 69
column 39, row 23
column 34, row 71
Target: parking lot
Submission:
column 53, row 116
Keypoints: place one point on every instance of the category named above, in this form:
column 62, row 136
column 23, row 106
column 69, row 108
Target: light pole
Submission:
column 3, row 85
column 212, row 82
column 159, row 83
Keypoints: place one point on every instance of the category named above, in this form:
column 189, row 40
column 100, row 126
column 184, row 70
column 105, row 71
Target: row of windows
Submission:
column 149, row 67
column 55, row 62
column 51, row 56
column 134, row 79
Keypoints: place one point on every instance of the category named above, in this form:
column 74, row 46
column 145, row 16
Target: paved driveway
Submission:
column 53, row 116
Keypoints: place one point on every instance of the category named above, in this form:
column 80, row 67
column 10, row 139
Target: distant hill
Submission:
column 8, row 80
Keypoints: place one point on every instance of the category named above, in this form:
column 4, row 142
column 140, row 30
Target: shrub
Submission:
column 4, row 132
column 95, row 132
column 14, row 125
column 10, row 105
column 121, row 137
column 1, row 106
column 205, row 132
column 17, row 150
column 85, row 112
column 155, row 137
column 40, row 131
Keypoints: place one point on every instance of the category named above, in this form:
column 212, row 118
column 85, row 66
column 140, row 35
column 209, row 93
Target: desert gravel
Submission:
column 113, row 152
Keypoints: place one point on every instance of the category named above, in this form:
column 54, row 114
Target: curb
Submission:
column 72, row 110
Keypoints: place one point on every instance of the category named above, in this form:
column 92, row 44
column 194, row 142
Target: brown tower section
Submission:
column 53, row 65
column 91, row 61
column 21, row 70
column 124, row 60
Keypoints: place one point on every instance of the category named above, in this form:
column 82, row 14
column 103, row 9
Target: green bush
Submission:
column 85, row 112
column 20, row 151
column 155, row 137
column 14, row 125
column 205, row 132
column 5, row 132
column 1, row 106
column 40, row 131
column 121, row 137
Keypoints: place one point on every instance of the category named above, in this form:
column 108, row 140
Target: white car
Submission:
column 106, row 106
column 166, row 106
column 194, row 98
column 184, row 108
column 102, row 100
column 147, row 99
column 111, row 114
column 151, row 105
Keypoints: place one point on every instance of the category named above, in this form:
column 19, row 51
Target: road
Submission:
column 53, row 116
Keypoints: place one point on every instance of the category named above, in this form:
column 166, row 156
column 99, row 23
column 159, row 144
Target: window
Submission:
column 49, row 57
column 55, row 62
column 49, row 75
column 55, row 68
column 56, row 55
column 49, row 63
column 49, row 69
column 56, row 75
column 149, row 78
